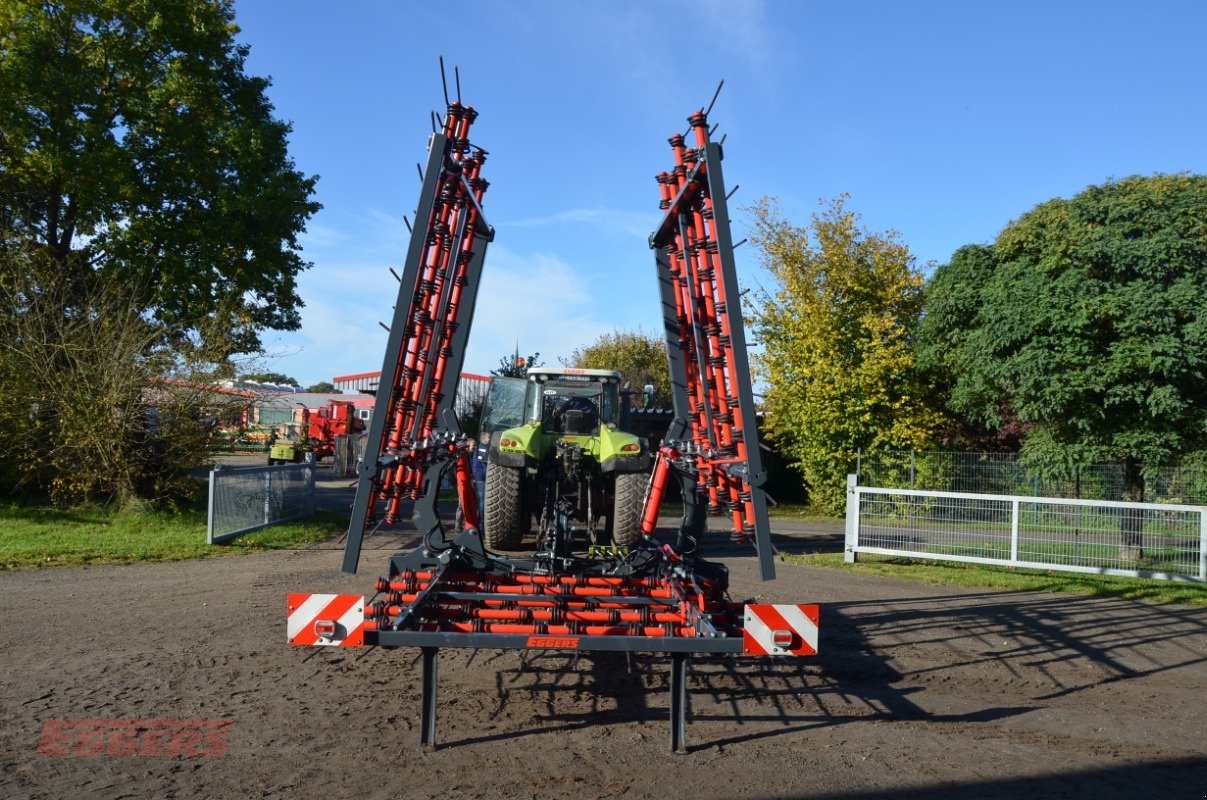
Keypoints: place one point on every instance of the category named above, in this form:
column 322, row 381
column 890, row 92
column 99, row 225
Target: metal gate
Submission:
column 243, row 499
column 1149, row 540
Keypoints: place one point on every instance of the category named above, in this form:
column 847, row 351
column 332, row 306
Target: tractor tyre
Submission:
column 501, row 520
column 627, row 504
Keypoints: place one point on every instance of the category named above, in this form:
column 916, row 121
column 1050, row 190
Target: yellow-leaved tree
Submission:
column 837, row 357
column 639, row 357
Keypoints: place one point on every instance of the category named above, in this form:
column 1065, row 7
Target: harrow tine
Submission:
column 715, row 95
column 443, row 81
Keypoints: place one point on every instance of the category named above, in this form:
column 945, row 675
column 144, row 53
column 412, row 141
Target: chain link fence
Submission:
column 244, row 499
column 1005, row 474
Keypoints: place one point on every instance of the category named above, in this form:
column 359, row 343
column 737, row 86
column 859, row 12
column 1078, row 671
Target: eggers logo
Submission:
column 190, row 738
column 553, row 641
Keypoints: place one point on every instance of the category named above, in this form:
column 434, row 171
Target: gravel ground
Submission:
column 918, row 692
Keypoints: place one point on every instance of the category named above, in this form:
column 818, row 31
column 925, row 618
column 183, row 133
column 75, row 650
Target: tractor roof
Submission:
column 555, row 372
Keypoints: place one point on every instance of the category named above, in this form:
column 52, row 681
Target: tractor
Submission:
column 558, row 459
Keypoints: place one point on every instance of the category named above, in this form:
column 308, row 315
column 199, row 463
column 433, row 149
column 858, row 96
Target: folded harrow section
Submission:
column 414, row 433
column 712, row 446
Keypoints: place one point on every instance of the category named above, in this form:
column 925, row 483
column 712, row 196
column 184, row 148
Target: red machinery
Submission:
column 659, row 597
column 337, row 418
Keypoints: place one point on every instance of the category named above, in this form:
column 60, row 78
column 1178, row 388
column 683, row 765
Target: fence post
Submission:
column 267, row 496
column 1014, row 514
column 310, row 477
column 1203, row 545
column 911, row 470
column 209, row 509
column 852, row 537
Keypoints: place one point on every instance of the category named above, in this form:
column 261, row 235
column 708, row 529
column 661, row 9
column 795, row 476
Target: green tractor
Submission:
column 558, row 461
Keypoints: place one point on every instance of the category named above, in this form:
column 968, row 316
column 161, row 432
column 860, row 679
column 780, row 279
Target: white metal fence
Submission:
column 243, row 499
column 1151, row 540
column 1005, row 473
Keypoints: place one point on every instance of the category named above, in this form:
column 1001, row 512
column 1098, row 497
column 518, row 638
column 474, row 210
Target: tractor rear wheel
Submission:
column 627, row 503
column 501, row 518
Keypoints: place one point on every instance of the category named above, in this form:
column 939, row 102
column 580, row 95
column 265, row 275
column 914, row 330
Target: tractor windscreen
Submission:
column 504, row 405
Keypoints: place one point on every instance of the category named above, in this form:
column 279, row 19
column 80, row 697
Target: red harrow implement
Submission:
column 653, row 597
column 712, row 445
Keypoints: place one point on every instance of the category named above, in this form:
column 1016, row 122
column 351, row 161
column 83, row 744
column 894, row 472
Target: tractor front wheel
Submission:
column 501, row 517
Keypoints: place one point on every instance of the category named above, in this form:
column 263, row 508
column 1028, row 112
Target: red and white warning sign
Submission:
column 780, row 630
column 326, row 619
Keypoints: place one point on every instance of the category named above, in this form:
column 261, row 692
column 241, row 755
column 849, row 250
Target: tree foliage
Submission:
column 837, row 344
column 96, row 406
column 1086, row 319
column 134, row 148
column 638, row 357
column 515, row 365
column 953, row 301
column 324, row 387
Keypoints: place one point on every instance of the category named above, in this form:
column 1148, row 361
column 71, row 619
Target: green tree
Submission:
column 324, row 387
column 837, row 344
column 953, row 301
column 515, row 365
column 1089, row 323
column 638, row 357
column 135, row 148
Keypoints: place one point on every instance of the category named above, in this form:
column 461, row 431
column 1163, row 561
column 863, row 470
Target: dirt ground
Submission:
column 918, row 692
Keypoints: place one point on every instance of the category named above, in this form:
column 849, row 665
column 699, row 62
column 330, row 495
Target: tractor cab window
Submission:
column 609, row 405
column 570, row 409
column 504, row 405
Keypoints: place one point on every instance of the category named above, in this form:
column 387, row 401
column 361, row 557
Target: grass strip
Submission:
column 1011, row 578
column 46, row 537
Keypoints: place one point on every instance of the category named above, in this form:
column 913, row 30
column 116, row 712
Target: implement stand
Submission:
column 678, row 687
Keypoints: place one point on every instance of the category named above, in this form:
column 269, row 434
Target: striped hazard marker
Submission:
column 780, row 630
column 326, row 619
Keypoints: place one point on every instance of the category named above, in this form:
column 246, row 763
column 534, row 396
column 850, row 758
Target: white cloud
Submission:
column 536, row 300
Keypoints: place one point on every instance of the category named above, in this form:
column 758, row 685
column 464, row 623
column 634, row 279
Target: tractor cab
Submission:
column 572, row 402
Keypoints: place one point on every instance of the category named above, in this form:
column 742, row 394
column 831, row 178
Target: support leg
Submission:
column 678, row 702
column 427, row 730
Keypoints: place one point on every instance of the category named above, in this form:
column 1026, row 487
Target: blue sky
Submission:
column 942, row 120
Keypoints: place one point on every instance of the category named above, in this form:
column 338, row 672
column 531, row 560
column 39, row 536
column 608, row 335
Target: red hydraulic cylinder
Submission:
column 465, row 492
